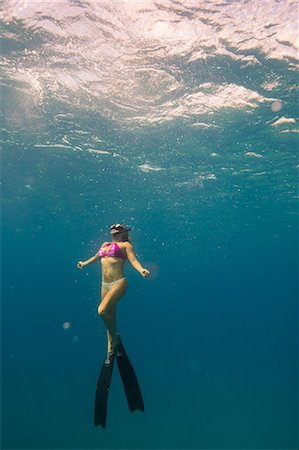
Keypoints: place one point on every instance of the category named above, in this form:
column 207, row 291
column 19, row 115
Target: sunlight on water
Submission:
column 79, row 76
column 147, row 62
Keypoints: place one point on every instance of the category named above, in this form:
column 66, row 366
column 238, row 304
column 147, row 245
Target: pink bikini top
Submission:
column 113, row 251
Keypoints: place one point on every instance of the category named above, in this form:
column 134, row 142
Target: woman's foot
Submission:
column 113, row 344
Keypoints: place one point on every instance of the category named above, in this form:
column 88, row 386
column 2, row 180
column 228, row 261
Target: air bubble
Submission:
column 276, row 106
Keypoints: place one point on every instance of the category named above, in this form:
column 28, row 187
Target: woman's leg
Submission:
column 107, row 309
column 109, row 340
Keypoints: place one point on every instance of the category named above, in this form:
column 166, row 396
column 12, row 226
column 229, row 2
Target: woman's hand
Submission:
column 145, row 273
column 81, row 264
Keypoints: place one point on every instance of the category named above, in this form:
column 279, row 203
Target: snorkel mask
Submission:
column 118, row 228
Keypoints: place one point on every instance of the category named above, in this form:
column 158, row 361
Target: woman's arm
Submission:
column 133, row 260
column 94, row 258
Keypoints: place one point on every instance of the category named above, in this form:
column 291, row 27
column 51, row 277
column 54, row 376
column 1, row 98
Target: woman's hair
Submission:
column 126, row 238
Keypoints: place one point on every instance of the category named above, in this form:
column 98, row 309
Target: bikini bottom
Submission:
column 109, row 286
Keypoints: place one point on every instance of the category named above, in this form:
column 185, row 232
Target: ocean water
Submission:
column 179, row 118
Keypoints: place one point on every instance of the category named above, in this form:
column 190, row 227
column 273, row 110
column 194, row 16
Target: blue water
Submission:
column 180, row 119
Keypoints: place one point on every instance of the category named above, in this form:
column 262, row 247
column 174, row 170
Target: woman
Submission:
column 114, row 284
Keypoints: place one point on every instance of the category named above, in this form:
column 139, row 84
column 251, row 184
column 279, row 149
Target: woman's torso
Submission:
column 113, row 257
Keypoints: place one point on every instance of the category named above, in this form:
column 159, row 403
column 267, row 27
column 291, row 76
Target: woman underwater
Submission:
column 114, row 284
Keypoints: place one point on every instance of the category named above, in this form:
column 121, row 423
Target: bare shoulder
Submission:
column 128, row 246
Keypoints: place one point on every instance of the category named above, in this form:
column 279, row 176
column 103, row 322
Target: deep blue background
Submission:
column 212, row 336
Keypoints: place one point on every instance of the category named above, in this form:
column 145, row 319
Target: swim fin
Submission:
column 102, row 391
column 129, row 379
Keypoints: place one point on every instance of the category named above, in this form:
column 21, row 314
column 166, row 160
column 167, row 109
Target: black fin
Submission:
column 129, row 379
column 102, row 392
